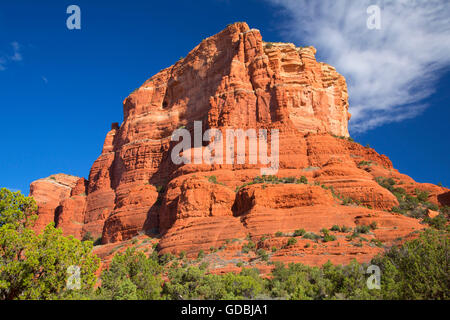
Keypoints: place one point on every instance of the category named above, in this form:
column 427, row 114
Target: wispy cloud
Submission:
column 17, row 56
column 2, row 63
column 389, row 71
column 44, row 79
column 14, row 55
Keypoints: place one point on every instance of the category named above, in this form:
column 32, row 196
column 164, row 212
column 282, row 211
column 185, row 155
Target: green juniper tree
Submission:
column 35, row 266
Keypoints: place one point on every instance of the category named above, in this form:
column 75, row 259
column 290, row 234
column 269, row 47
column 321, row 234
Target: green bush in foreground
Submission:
column 418, row 269
column 131, row 276
column 37, row 266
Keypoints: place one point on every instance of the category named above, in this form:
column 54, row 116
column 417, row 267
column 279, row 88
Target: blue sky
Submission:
column 61, row 89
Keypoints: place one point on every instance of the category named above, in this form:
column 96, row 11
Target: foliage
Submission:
column 262, row 254
column 418, row 269
column 311, row 236
column 299, row 232
column 335, row 228
column 344, row 138
column 194, row 283
column 36, row 266
column 328, row 238
column 212, row 179
column 362, row 229
column 249, row 246
column 87, row 237
column 439, row 222
column 131, row 276
column 16, row 210
column 409, row 205
column 274, row 180
column 291, row 242
column 201, row 254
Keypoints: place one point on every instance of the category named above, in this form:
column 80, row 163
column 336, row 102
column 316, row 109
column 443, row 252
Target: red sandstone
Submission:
column 233, row 80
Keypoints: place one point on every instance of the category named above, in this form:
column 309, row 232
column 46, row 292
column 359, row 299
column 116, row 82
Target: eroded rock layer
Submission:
column 235, row 80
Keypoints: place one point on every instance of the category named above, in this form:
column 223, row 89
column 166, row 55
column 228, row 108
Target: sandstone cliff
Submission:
column 235, row 80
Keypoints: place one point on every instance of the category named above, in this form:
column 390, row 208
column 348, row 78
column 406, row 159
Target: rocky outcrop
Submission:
column 49, row 193
column 233, row 80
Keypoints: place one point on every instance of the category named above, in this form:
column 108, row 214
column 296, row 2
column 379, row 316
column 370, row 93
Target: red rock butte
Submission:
column 234, row 80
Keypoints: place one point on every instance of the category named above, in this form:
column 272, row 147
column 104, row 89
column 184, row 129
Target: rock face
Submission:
column 49, row 193
column 233, row 80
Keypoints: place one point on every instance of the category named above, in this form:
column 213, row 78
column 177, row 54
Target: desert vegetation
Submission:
column 35, row 267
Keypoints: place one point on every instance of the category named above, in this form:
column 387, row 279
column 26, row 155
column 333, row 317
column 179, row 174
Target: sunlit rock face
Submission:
column 232, row 80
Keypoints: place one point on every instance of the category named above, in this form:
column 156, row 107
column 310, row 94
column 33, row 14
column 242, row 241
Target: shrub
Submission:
column 362, row 229
column 387, row 183
column 303, row 180
column 409, row 205
column 328, row 238
column 87, row 237
column 262, row 254
column 347, row 201
column 166, row 258
column 439, row 222
column 201, row 254
column 422, row 196
column 212, row 179
column 335, row 228
column 35, row 266
column 377, row 242
column 291, row 242
column 311, row 236
column 246, row 248
column 432, row 206
column 278, row 234
column 131, row 275
column 299, row 232
column 418, row 269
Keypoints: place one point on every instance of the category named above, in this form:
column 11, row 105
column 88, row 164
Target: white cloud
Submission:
column 15, row 56
column 2, row 63
column 389, row 71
